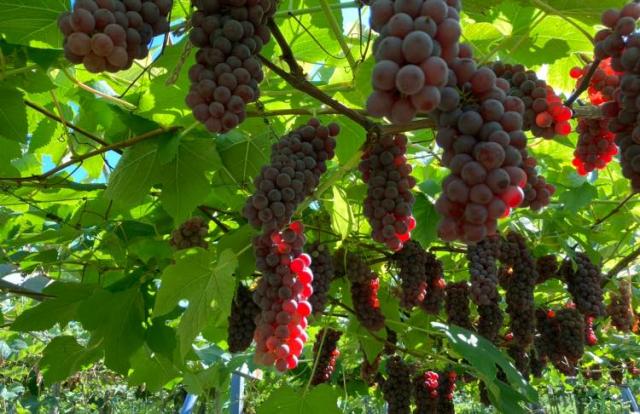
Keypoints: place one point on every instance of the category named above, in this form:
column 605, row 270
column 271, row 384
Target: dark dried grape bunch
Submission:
column 282, row 294
column 107, row 35
column 547, row 267
column 436, row 285
column 323, row 273
column 190, row 234
column 456, row 304
column 397, row 386
column 584, row 284
column 297, row 161
column 563, row 335
column 325, row 355
column 229, row 35
column 620, row 309
column 389, row 200
column 482, row 269
column 425, row 391
column 519, row 296
column 242, row 320
column 411, row 261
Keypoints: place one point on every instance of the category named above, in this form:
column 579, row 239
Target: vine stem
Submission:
column 117, row 101
column 337, row 32
column 584, row 83
column 544, row 6
column 64, row 122
column 307, row 87
column 316, row 9
column 124, row 144
column 623, row 263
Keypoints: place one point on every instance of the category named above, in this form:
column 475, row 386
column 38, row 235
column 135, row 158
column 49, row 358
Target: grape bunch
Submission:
column 544, row 114
column 537, row 360
column 490, row 321
column 584, row 285
column 480, row 142
column 425, row 391
column 596, row 144
column 547, row 267
column 619, row 25
column 391, row 343
column 563, row 337
column 229, row 34
column 446, row 388
column 417, row 39
column 397, row 386
column 590, row 337
column 325, row 355
column 620, row 309
column 519, row 295
column 435, row 285
column 297, row 161
column 323, row 273
column 537, row 191
column 364, row 292
column 456, row 304
column 242, row 320
column 107, row 35
column 282, row 295
column 190, row 234
column 411, row 261
column 482, row 269
column 389, row 201
column 521, row 359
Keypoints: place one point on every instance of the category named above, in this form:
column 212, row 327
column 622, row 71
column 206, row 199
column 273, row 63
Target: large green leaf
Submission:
column 63, row 356
column 32, row 22
column 61, row 308
column 322, row 399
column 115, row 322
column 205, row 281
column 13, row 115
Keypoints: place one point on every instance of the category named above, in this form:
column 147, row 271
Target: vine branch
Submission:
column 621, row 265
column 287, row 54
column 124, row 144
column 584, row 83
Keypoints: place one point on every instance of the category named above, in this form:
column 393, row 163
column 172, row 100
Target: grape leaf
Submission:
column 63, row 356
column 322, row 399
column 13, row 114
column 203, row 279
column 32, row 22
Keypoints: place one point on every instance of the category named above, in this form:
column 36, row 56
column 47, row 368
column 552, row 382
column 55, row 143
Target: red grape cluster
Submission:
column 520, row 287
column 397, row 387
column 225, row 78
column 544, row 114
column 584, row 285
column 107, row 35
column 297, row 162
column 325, row 355
column 456, row 305
column 282, row 295
column 417, row 39
column 446, row 389
column 190, row 234
column 596, row 144
column 547, row 267
column 411, row 261
column 323, row 273
column 620, row 309
column 435, row 285
column 563, row 333
column 483, row 144
column 242, row 320
column 425, row 390
column 389, row 201
column 590, row 337
column 364, row 291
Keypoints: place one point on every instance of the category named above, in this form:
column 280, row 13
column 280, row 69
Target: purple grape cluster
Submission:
column 107, row 35
column 436, row 285
column 242, row 320
column 417, row 39
column 456, row 304
column 397, row 387
column 584, row 285
column 297, row 162
column 228, row 34
column 389, row 201
column 325, row 355
column 190, row 234
column 323, row 274
column 411, row 261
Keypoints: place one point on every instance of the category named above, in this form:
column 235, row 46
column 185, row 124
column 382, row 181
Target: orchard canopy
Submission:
column 355, row 201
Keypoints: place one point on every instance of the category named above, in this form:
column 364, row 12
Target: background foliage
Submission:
column 95, row 172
